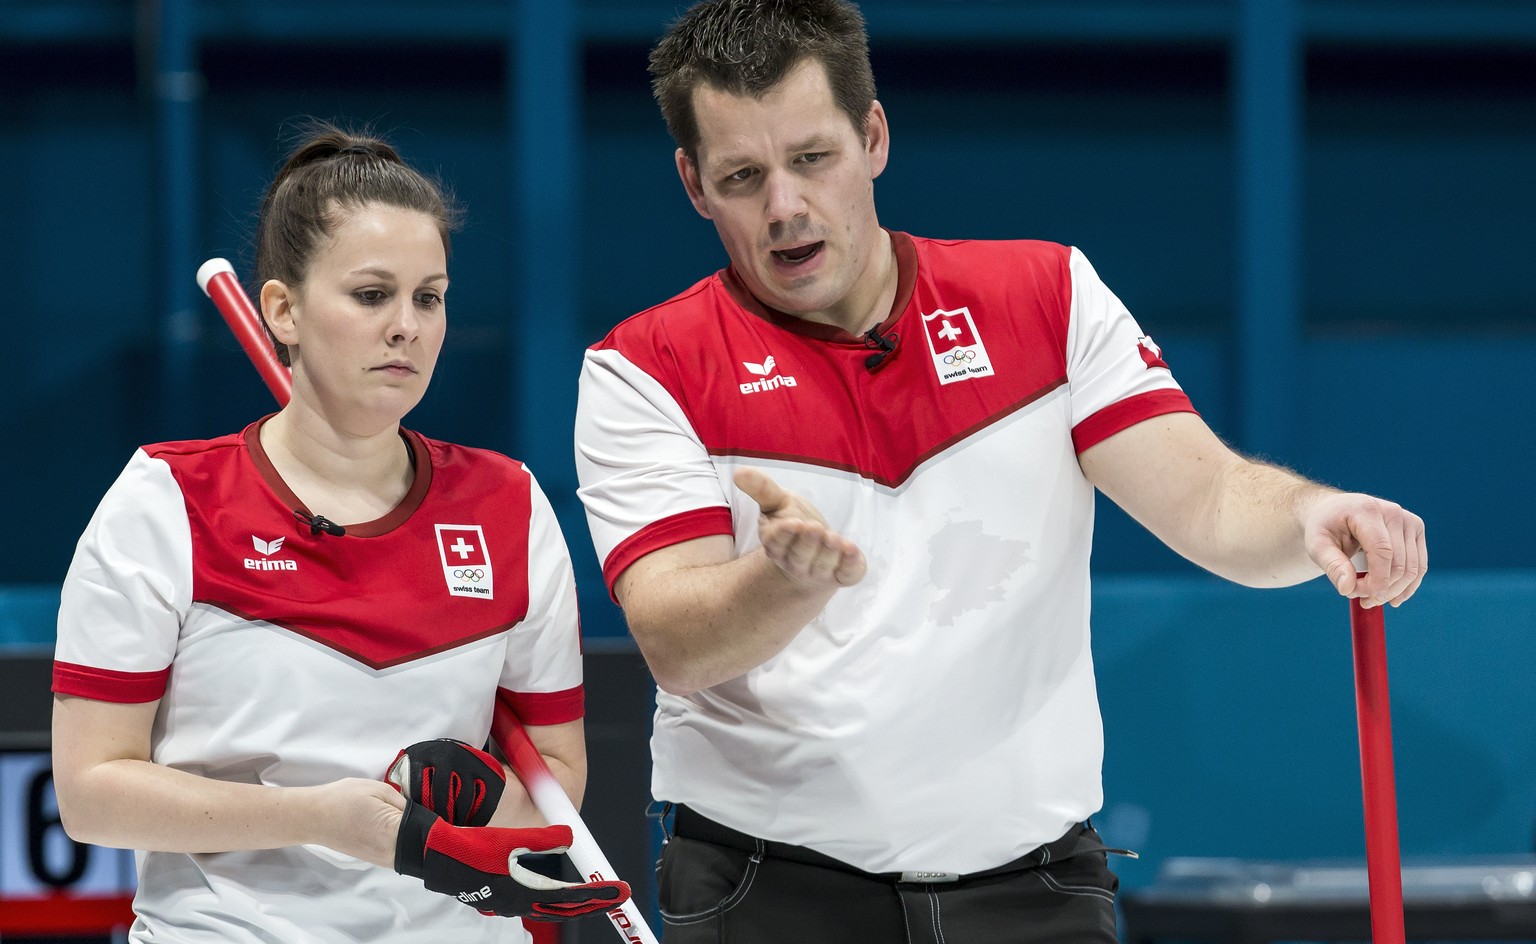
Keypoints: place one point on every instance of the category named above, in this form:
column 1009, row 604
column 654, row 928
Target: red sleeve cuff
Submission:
column 674, row 529
column 108, row 684
column 1126, row 413
column 546, row 707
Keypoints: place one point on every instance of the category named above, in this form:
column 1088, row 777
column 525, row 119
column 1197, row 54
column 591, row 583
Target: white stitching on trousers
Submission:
column 938, row 928
column 1085, row 890
column 730, row 901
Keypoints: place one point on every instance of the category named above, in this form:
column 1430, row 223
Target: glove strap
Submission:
column 411, row 840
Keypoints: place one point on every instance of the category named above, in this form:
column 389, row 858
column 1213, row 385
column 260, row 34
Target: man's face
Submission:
column 789, row 184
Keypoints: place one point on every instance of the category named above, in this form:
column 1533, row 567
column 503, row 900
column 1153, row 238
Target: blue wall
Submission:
column 1324, row 211
column 1230, row 719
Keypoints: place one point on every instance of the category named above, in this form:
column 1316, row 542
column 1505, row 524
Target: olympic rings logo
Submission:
column 472, row 574
column 960, row 357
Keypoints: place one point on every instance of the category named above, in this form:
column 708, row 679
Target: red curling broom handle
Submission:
column 1374, row 713
column 550, row 798
column 217, row 279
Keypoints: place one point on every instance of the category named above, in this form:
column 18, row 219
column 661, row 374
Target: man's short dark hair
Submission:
column 746, row 47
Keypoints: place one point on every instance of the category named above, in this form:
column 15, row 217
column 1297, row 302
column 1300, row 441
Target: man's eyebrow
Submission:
column 728, row 159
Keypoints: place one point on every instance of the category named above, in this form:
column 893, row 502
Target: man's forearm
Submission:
column 1238, row 518
column 1255, row 525
column 702, row 624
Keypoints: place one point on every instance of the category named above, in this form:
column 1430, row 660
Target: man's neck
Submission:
column 878, row 288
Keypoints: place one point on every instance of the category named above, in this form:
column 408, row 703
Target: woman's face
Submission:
column 365, row 328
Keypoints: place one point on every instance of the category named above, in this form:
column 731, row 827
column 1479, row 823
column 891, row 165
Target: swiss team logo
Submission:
column 466, row 562
column 958, row 353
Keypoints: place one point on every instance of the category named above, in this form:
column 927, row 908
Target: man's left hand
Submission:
column 1338, row 525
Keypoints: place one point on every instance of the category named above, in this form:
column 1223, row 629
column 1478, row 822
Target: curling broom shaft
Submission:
column 1378, row 785
column 216, row 278
column 550, row 798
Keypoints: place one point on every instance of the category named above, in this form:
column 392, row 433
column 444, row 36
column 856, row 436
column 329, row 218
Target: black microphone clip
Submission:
column 881, row 344
column 320, row 524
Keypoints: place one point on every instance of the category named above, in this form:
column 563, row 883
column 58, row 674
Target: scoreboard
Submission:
column 49, row 883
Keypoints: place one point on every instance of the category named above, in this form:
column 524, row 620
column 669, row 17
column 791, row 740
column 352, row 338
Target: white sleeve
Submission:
column 544, row 650
column 130, row 583
column 639, row 462
column 1109, row 359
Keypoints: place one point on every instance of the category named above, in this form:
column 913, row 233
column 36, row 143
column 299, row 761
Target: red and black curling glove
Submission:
column 462, row 784
column 478, row 866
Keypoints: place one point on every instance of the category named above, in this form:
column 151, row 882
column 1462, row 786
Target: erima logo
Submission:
column 472, row 897
column 267, row 549
column 763, row 370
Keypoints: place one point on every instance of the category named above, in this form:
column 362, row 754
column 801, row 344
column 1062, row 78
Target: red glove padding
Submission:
column 462, row 784
column 478, row 866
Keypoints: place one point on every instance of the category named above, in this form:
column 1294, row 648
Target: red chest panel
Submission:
column 775, row 387
column 385, row 592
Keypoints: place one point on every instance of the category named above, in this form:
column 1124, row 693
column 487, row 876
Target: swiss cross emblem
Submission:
column 955, row 346
column 466, row 561
column 948, row 330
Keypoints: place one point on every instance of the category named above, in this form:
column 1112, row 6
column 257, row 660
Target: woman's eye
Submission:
column 369, row 296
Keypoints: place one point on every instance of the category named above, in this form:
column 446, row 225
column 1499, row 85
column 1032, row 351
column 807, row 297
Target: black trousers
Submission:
column 718, row 886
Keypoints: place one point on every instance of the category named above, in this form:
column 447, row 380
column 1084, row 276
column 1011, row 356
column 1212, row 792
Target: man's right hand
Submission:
column 703, row 615
column 796, row 537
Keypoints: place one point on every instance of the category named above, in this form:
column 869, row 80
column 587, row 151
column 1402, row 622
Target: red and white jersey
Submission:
column 941, row 714
column 290, row 658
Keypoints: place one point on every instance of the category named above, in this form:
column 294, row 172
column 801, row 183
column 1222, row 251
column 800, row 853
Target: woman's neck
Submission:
column 349, row 476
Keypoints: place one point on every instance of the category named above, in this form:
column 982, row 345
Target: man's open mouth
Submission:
column 798, row 253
